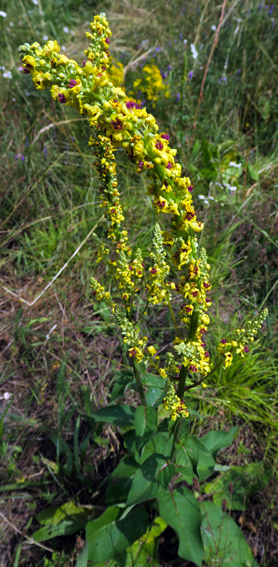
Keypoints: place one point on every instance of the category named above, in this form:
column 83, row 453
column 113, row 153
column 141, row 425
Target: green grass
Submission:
column 60, row 354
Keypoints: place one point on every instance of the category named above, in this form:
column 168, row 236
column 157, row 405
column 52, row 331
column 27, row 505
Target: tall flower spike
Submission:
column 118, row 121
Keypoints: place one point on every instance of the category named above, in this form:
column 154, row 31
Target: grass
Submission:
column 60, row 351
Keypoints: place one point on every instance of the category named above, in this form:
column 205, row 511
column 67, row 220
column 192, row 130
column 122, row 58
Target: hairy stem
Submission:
column 140, row 385
column 181, row 386
column 174, row 319
column 176, row 439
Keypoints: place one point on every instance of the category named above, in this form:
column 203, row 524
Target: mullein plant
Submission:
column 118, row 121
column 148, row 474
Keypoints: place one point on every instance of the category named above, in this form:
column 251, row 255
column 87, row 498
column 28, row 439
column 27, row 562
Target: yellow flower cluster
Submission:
column 172, row 402
column 151, row 85
column 116, row 73
column 240, row 339
column 99, row 290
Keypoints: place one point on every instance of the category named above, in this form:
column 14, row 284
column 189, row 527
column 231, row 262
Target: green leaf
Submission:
column 153, row 380
column 65, row 520
column 184, row 464
column 201, row 458
column 216, row 440
column 247, row 480
column 223, row 541
column 120, row 480
column 145, row 425
column 252, row 172
column 52, row 516
column 143, row 552
column 153, row 476
column 154, row 396
column 159, row 444
column 121, row 384
column 116, row 414
column 108, row 535
column 181, row 511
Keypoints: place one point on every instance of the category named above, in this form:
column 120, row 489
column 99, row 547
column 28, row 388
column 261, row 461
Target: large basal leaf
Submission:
column 180, row 510
column 183, row 464
column 150, row 479
column 53, row 516
column 159, row 444
column 109, row 536
column 143, row 552
column 145, row 425
column 216, row 440
column 201, row 458
column 120, row 481
column 65, row 520
column 121, row 414
column 246, row 480
column 224, row 543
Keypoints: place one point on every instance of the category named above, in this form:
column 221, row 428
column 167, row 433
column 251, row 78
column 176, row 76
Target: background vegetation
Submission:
column 60, row 353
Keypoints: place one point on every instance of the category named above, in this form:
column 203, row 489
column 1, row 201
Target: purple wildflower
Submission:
column 159, row 145
column 107, row 41
column 190, row 75
column 190, row 188
column 169, row 165
column 62, row 99
column 165, row 136
column 117, row 125
column 130, row 104
column 72, row 83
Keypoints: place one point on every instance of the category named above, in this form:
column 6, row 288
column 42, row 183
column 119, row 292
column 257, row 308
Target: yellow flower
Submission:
column 163, row 373
column 151, row 350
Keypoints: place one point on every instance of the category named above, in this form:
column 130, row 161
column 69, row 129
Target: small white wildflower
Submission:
column 213, row 28
column 35, row 2
column 65, row 29
column 3, row 14
column 7, row 75
column 193, row 51
column 210, row 197
column 233, row 164
column 185, row 41
column 201, row 196
column 45, row 37
column 11, row 24
column 2, row 68
column 6, row 396
column 63, row 48
column 233, row 188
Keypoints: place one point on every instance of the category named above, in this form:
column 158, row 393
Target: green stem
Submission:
column 173, row 317
column 181, row 386
column 140, row 385
column 181, row 389
column 176, row 439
